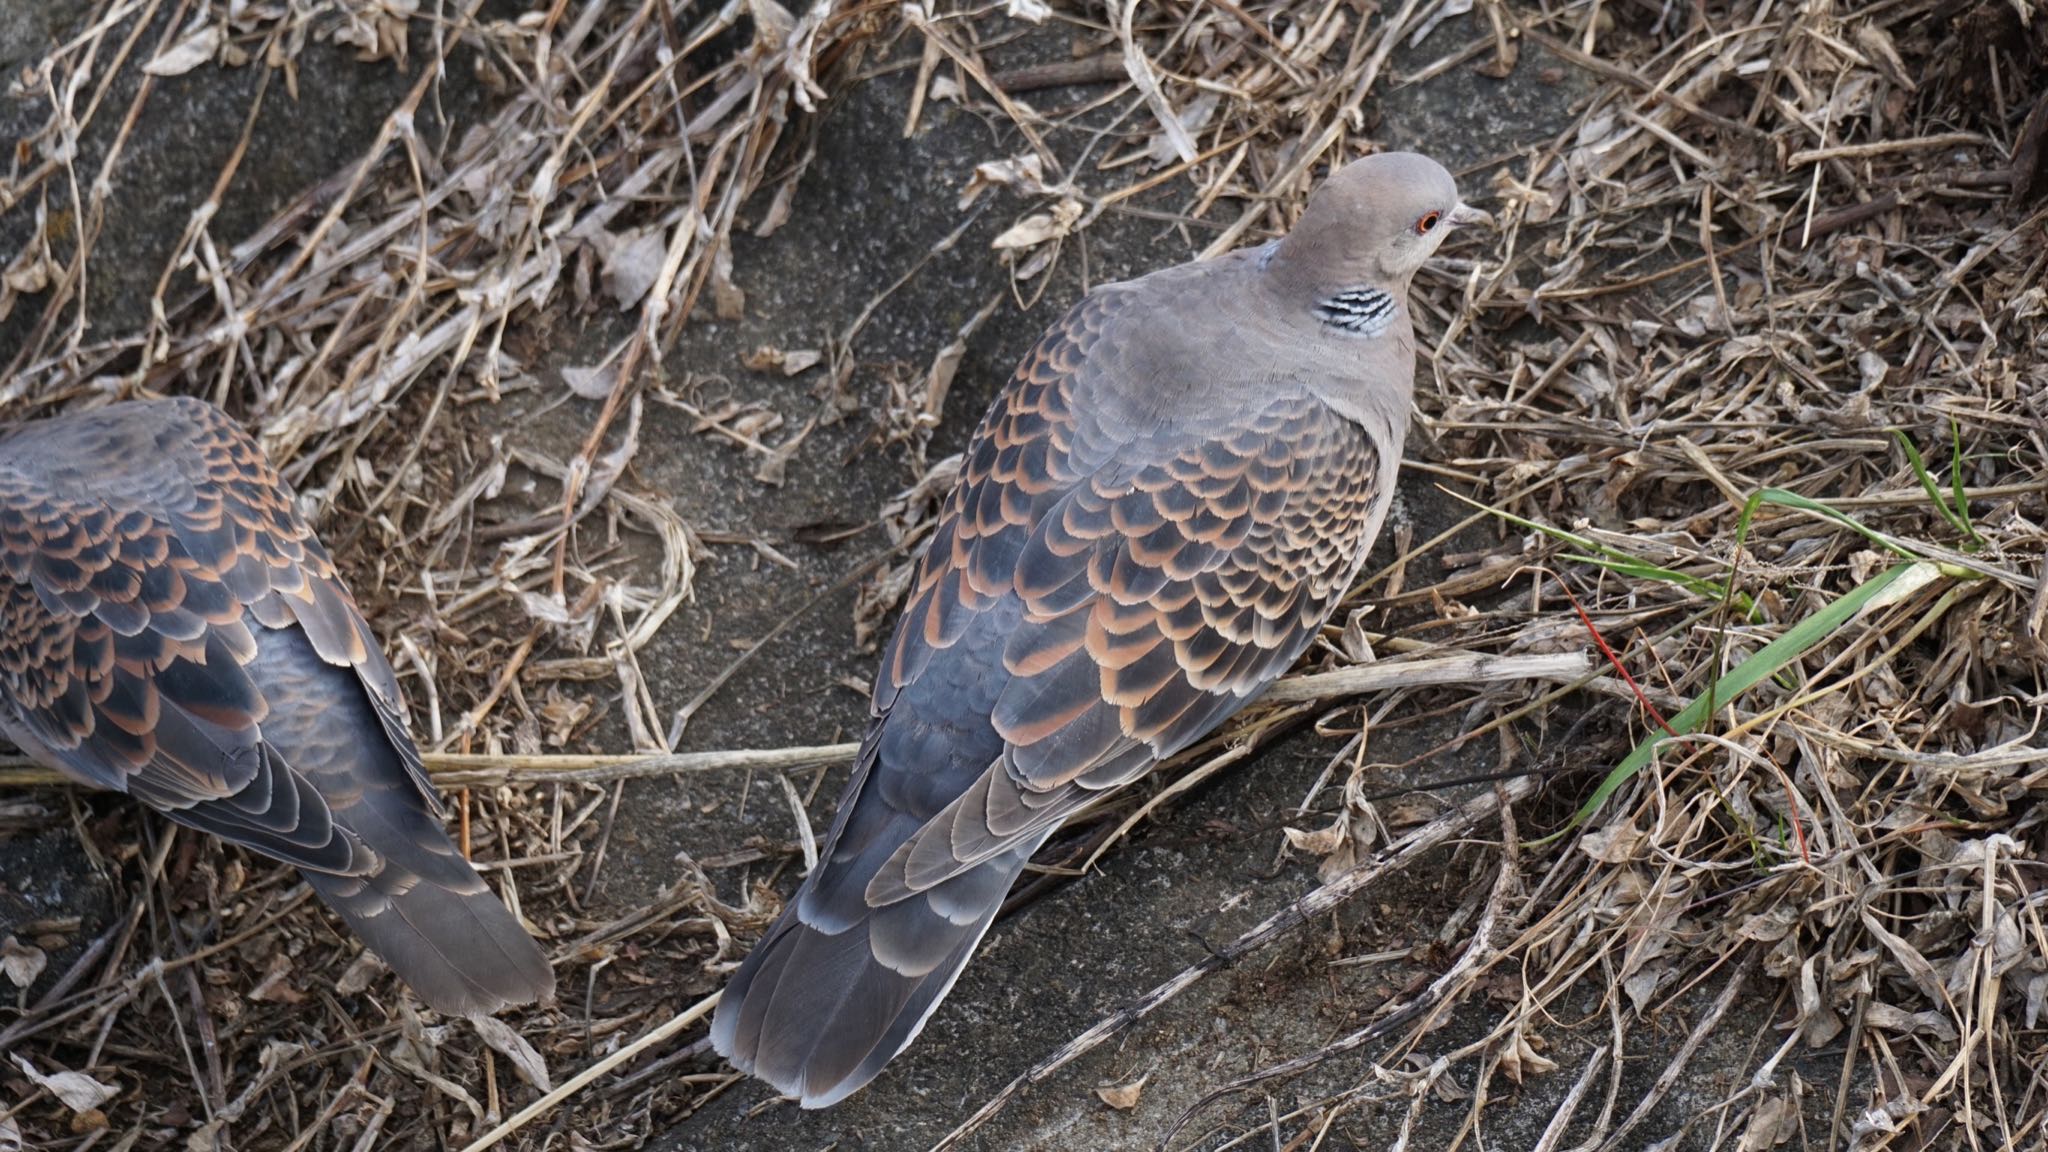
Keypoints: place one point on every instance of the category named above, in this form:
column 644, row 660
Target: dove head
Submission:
column 1363, row 235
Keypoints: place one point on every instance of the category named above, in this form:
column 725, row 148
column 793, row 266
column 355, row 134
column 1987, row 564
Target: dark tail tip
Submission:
column 817, row 1015
column 463, row 952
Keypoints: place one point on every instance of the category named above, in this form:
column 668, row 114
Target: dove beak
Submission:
column 1465, row 214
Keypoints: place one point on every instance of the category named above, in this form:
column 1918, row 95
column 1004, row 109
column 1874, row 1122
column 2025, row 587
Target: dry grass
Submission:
column 1754, row 373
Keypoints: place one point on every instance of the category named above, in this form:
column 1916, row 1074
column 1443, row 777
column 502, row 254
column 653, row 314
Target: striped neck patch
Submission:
column 1359, row 311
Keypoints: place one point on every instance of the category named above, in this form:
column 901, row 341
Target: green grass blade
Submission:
column 1766, row 661
column 1933, row 489
column 1955, row 480
column 1784, row 499
column 1613, row 559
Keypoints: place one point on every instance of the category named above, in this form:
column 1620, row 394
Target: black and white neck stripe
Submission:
column 1358, row 311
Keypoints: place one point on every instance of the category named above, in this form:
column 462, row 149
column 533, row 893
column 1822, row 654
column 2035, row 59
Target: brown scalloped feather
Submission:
column 170, row 627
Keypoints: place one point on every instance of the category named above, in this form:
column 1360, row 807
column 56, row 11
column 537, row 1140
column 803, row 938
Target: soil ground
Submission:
column 1206, row 868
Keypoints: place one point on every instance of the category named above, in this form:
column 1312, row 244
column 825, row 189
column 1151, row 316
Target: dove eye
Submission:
column 1427, row 223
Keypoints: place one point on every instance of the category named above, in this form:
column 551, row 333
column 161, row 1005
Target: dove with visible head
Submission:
column 1153, row 520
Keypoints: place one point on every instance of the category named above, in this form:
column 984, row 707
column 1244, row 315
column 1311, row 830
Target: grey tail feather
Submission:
column 818, row 1015
column 420, row 905
column 463, row 952
column 432, row 918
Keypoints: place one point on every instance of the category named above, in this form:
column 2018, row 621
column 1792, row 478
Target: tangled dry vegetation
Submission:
column 1750, row 384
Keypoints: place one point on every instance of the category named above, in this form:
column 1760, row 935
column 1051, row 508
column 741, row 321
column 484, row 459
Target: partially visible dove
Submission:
column 172, row 629
column 1153, row 520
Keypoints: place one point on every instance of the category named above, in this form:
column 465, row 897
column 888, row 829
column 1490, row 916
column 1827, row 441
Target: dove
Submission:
column 1152, row 522
column 171, row 628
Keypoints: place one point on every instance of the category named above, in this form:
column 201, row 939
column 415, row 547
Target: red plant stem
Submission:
column 1791, row 798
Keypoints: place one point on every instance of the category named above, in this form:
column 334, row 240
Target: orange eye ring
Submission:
column 1428, row 223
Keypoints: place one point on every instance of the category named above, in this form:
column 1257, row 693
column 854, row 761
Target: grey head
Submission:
column 1362, row 237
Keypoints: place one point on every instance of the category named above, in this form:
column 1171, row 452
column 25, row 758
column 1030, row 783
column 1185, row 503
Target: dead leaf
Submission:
column 356, row 978
column 1642, row 985
column 1024, row 174
column 1521, row 1058
column 29, row 273
column 1770, row 925
column 1125, row 1097
column 1916, row 966
column 768, row 358
column 1193, row 119
column 512, row 1046
column 194, row 48
column 563, row 714
column 592, row 383
column 79, row 1092
column 1321, row 842
column 728, row 302
column 1614, row 844
column 21, row 962
column 1894, row 1019
column 774, row 467
column 1039, row 227
column 1817, row 1023
column 632, row 263
column 275, row 986
column 1775, row 1121
column 1877, row 44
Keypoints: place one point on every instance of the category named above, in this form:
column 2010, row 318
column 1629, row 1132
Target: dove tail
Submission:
column 407, row 893
column 819, row 1008
column 436, row 922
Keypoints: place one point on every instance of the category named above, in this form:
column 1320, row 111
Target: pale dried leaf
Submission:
column 1775, row 1121
column 1772, row 924
column 768, row 358
column 1039, row 227
column 773, row 468
column 632, row 263
column 1520, row 1058
column 1615, row 844
column 728, row 302
column 1123, row 1097
column 1193, row 119
column 1321, row 842
column 194, row 48
column 512, row 1046
column 77, row 1091
column 1891, row 1018
column 30, row 272
column 1818, row 1023
column 1024, row 174
column 592, row 383
column 1917, row 968
column 1642, row 985
column 22, row 963
column 275, row 987
column 367, row 966
column 1877, row 44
